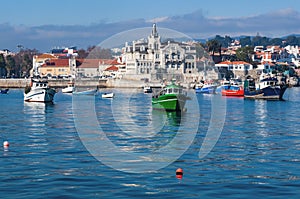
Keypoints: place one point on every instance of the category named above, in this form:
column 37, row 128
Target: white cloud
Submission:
column 195, row 24
column 157, row 20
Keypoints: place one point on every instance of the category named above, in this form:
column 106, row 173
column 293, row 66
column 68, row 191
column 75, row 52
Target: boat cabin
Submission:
column 39, row 84
column 270, row 81
column 173, row 90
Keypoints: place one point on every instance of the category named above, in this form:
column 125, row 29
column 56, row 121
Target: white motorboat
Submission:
column 39, row 91
column 147, row 89
column 108, row 95
column 69, row 89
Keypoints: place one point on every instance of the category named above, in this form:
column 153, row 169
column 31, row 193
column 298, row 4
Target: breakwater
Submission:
column 55, row 83
column 14, row 83
column 85, row 82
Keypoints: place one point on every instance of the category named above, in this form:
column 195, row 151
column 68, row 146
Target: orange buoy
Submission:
column 5, row 144
column 179, row 173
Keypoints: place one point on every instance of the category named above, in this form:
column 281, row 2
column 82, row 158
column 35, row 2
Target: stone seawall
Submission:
column 22, row 83
column 14, row 83
column 87, row 82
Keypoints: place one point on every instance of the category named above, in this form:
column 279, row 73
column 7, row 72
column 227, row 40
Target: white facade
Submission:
column 150, row 58
column 235, row 65
column 293, row 50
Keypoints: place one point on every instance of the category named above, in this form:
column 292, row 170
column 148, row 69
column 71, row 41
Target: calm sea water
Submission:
column 257, row 154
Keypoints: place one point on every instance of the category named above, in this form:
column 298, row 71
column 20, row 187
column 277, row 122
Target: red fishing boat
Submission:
column 233, row 90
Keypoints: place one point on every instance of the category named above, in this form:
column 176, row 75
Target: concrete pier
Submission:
column 14, row 83
column 85, row 82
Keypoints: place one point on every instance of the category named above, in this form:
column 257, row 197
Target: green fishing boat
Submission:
column 170, row 98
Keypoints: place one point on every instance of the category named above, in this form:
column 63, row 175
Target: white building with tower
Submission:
column 156, row 60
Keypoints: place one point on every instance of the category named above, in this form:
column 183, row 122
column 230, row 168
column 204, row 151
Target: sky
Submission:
column 46, row 24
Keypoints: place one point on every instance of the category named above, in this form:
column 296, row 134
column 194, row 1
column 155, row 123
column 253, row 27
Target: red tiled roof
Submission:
column 95, row 63
column 239, row 62
column 233, row 62
column 44, row 56
column 226, row 62
column 112, row 68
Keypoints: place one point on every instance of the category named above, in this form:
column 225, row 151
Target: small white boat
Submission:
column 39, row 91
column 108, row 95
column 69, row 89
column 147, row 89
column 86, row 92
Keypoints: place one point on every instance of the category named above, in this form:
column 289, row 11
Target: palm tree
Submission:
column 213, row 46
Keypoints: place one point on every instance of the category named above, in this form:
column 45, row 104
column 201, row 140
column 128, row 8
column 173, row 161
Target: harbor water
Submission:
column 252, row 147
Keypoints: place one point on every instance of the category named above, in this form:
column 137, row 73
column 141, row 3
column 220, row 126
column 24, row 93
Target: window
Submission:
column 173, row 55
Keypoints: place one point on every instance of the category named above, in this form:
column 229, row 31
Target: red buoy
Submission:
column 6, row 144
column 179, row 173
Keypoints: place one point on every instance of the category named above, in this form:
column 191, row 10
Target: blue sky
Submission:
column 44, row 24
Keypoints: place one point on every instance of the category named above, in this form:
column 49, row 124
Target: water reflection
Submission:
column 162, row 118
column 261, row 116
column 35, row 114
column 132, row 113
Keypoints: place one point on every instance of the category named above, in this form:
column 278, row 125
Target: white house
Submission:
column 237, row 67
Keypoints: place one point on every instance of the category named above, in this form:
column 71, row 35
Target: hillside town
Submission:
column 154, row 60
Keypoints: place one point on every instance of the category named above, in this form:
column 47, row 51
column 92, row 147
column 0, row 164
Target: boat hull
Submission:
column 236, row 92
column 268, row 93
column 147, row 90
column 4, row 91
column 108, row 95
column 67, row 90
column 206, row 90
column 40, row 95
column 171, row 102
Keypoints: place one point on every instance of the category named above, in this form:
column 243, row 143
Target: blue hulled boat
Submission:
column 4, row 91
column 267, row 88
column 206, row 89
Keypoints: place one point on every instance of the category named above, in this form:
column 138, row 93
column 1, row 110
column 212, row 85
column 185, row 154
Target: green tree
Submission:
column 224, row 41
column 10, row 64
column 2, row 65
column 23, row 62
column 276, row 41
column 26, row 65
column 2, row 61
column 292, row 40
column 245, row 54
column 260, row 41
column 96, row 52
column 245, row 41
column 213, row 46
column 82, row 54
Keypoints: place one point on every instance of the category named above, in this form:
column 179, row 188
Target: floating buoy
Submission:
column 179, row 173
column 5, row 144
